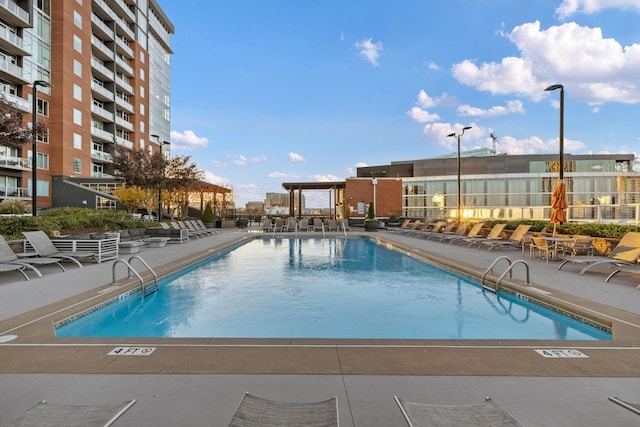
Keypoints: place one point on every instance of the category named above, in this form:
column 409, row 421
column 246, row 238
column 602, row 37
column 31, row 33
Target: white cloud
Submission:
column 218, row 164
column 240, row 160
column 569, row 7
column 422, row 116
column 282, row 175
column 512, row 107
column 593, row 68
column 295, row 157
column 369, row 51
column 536, row 145
column 324, row 178
column 187, row 140
column 215, row 179
column 433, row 66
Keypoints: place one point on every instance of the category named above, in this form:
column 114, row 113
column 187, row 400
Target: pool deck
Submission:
column 199, row 382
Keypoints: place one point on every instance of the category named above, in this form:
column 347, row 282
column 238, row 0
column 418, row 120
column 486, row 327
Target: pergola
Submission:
column 203, row 192
column 333, row 187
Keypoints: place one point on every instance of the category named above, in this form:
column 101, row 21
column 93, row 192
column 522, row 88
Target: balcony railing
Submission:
column 13, row 162
column 7, row 192
column 101, row 155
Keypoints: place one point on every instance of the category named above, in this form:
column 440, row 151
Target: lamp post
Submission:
column 157, row 138
column 162, row 151
column 561, row 142
column 454, row 135
column 34, row 144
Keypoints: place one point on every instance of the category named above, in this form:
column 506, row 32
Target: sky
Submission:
column 266, row 92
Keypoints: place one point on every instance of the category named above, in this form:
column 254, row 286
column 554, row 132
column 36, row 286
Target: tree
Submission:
column 132, row 197
column 12, row 132
column 155, row 172
column 207, row 216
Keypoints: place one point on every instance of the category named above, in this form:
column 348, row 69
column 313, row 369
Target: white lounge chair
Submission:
column 626, row 253
column 44, row 247
column 257, row 412
column 51, row 414
column 7, row 256
column 487, row 413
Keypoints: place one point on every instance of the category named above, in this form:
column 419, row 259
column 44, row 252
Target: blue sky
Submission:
column 266, row 92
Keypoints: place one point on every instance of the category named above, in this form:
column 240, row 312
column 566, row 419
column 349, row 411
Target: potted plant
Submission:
column 207, row 216
column 371, row 223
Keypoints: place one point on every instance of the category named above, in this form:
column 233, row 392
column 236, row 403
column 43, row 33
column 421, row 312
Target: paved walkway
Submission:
column 200, row 382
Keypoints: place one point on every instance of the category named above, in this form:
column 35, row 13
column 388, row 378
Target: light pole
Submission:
column 157, row 138
column 454, row 135
column 550, row 88
column 164, row 156
column 34, row 144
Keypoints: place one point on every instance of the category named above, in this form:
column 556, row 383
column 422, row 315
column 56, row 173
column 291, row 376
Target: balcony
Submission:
column 126, row 87
column 103, row 51
column 12, row 44
column 124, row 104
column 8, row 192
column 17, row 102
column 96, row 174
column 102, row 134
column 18, row 17
column 101, row 155
column 13, row 162
column 101, row 112
column 12, row 72
column 124, row 124
column 122, row 64
column 123, row 47
column 101, row 92
column 102, row 71
column 101, row 27
column 103, row 10
column 124, row 142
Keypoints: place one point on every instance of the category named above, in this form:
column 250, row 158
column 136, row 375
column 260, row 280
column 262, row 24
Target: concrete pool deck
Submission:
column 199, row 382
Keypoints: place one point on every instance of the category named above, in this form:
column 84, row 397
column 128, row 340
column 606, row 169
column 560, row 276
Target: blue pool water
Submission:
column 325, row 288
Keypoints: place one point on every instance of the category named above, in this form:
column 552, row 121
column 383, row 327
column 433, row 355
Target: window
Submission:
column 142, row 57
column 77, row 68
column 42, row 161
column 141, row 91
column 77, row 117
column 77, row 165
column 77, row 92
column 77, row 19
column 43, row 107
column 142, row 75
column 77, row 43
column 77, row 141
column 42, row 188
column 142, row 109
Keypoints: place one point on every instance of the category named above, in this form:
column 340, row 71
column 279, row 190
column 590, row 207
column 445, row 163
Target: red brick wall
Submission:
column 388, row 196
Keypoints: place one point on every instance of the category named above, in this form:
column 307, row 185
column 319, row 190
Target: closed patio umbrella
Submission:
column 559, row 205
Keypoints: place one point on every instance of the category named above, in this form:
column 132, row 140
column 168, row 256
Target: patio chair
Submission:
column 540, row 245
column 254, row 411
column 581, row 245
column 515, row 240
column 472, row 233
column 290, row 225
column 7, row 256
column 436, row 232
column 44, row 247
column 318, row 224
column 343, row 225
column 494, row 234
column 304, row 224
column 461, row 230
column 52, row 414
column 487, row 413
column 626, row 252
column 633, row 407
column 332, row 225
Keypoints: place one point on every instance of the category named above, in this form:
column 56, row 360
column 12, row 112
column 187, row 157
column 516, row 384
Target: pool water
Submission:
column 325, row 288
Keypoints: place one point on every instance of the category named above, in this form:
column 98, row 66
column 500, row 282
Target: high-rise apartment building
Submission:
column 108, row 64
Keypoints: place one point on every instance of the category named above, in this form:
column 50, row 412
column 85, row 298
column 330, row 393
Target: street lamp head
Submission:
column 554, row 87
column 466, row 128
column 42, row 83
column 451, row 135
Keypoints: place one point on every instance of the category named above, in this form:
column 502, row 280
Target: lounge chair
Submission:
column 626, row 252
column 7, row 256
column 472, row 233
column 487, row 413
column 304, row 224
column 290, row 225
column 254, row 411
column 51, row 414
column 633, row 407
column 6, row 267
column 514, row 241
column 343, row 225
column 494, row 234
column 461, row 230
column 318, row 224
column 405, row 224
column 436, row 232
column 332, row 225
column 44, row 247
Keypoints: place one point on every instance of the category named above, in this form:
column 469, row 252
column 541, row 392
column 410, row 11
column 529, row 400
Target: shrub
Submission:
column 13, row 207
column 371, row 213
column 207, row 216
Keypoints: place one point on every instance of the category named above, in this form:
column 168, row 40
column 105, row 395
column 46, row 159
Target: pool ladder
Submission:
column 508, row 271
column 145, row 289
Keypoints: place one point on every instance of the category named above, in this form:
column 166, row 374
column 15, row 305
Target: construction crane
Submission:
column 494, row 138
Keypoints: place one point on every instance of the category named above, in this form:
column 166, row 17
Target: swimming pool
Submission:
column 325, row 288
